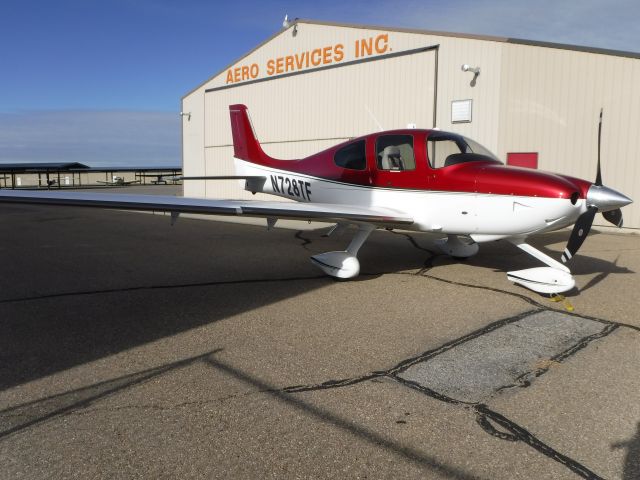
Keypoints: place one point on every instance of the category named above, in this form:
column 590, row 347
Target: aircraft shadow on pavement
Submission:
column 501, row 256
column 29, row 414
column 79, row 285
column 631, row 469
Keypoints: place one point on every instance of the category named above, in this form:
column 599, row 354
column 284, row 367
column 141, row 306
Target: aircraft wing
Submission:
column 322, row 212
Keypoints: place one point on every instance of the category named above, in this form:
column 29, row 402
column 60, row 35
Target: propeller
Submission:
column 599, row 173
column 599, row 197
column 611, row 216
column 579, row 233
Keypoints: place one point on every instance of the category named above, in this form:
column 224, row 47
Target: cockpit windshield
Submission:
column 445, row 149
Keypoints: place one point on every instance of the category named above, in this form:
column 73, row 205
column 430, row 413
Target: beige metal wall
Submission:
column 550, row 104
column 526, row 99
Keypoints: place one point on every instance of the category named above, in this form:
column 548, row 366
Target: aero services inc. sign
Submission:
column 308, row 59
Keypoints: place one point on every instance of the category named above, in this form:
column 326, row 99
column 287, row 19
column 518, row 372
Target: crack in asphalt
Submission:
column 305, row 241
column 514, row 431
column 517, row 433
column 160, row 287
column 485, row 417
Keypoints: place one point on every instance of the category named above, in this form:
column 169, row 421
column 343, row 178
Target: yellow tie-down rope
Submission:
column 561, row 298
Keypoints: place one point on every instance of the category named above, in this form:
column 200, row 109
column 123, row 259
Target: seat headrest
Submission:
column 391, row 150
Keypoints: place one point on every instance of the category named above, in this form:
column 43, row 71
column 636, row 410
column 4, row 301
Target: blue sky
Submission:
column 100, row 81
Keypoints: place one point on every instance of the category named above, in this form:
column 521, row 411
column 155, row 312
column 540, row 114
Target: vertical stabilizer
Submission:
column 245, row 143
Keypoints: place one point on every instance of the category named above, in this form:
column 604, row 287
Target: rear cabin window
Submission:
column 395, row 153
column 352, row 156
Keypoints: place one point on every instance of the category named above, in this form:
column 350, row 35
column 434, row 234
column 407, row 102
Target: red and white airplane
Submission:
column 416, row 180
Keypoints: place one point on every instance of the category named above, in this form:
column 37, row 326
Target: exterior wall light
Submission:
column 474, row 70
column 286, row 23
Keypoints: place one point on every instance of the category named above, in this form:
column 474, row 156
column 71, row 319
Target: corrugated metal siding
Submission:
column 454, row 84
column 551, row 102
column 193, row 157
column 329, row 104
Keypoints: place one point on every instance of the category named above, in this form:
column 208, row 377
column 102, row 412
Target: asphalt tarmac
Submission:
column 130, row 348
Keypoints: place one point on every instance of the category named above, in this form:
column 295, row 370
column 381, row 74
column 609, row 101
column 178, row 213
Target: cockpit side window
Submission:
column 446, row 149
column 439, row 149
column 395, row 152
column 352, row 156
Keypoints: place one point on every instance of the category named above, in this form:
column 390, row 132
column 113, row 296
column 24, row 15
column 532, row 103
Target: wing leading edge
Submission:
column 322, row 212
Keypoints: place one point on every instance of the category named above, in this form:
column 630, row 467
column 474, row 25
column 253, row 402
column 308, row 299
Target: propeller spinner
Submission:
column 599, row 199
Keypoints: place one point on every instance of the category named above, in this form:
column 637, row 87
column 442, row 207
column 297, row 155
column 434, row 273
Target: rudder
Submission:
column 245, row 143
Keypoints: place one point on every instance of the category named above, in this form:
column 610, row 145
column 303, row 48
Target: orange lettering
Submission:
column 236, row 74
column 382, row 38
column 255, row 70
column 326, row 55
column 300, row 60
column 317, row 53
column 338, row 53
column 245, row 73
column 229, row 76
column 367, row 46
column 288, row 63
column 270, row 67
column 279, row 65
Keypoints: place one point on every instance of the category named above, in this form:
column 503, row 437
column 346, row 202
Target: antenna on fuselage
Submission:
column 373, row 117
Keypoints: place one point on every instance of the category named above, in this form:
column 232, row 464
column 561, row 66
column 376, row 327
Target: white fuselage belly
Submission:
column 485, row 217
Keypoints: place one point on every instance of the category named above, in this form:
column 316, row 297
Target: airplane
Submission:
column 416, row 180
column 50, row 182
column 118, row 182
column 162, row 178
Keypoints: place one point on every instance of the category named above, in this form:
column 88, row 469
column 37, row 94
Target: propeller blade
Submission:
column 598, row 173
column 614, row 216
column 579, row 233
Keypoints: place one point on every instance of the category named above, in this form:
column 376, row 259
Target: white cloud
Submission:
column 91, row 137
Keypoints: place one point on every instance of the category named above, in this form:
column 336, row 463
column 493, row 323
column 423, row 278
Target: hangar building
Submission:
column 315, row 84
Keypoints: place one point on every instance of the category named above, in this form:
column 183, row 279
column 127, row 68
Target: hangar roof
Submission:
column 75, row 166
column 517, row 41
column 23, row 167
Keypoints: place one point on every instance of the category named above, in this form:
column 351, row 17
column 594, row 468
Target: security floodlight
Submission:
column 186, row 114
column 285, row 22
column 474, row 70
column 468, row 68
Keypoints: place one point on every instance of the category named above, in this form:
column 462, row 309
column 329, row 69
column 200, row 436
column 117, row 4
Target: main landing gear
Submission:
column 344, row 264
column 551, row 280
